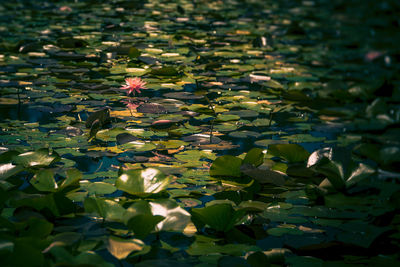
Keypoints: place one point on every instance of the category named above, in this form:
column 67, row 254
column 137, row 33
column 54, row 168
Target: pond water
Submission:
column 222, row 78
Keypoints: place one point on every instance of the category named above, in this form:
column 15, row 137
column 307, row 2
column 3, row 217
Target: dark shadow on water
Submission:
column 24, row 113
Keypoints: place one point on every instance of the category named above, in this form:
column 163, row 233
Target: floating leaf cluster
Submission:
column 267, row 134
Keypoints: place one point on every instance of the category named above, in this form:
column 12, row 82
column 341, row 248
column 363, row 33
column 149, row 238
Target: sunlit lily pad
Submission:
column 40, row 157
column 142, row 181
column 121, row 248
column 138, row 146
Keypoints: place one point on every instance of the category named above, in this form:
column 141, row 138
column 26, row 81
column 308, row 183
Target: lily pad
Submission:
column 183, row 95
column 40, row 157
column 121, row 248
column 221, row 217
column 255, row 156
column 291, row 152
column 44, row 181
column 165, row 71
column 139, row 182
column 152, row 108
column 124, row 138
column 226, row 166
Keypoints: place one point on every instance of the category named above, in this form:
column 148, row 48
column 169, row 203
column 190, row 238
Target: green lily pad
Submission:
column 8, row 170
column 165, row 71
column 338, row 167
column 105, row 208
column 72, row 178
column 360, row 233
column 290, row 152
column 138, row 146
column 244, row 134
column 140, row 219
column 171, row 144
column 226, row 166
column 194, row 156
column 268, row 142
column 264, row 176
column 98, row 188
column 44, row 181
column 40, row 157
column 227, row 117
column 121, row 248
column 284, row 229
column 221, row 217
column 139, row 182
column 303, row 138
column 263, row 122
column 255, row 156
column 176, row 218
column 37, row 227
column 207, row 247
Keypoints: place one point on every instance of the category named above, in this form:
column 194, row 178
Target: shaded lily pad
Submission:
column 140, row 219
column 255, row 156
column 165, row 71
column 226, row 166
column 338, row 167
column 105, row 208
column 263, row 175
column 98, row 188
column 183, row 95
column 221, row 217
column 151, row 108
column 124, row 138
column 207, row 247
column 291, row 152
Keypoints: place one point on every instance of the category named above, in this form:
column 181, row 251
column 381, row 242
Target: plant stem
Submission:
column 270, row 118
column 213, row 110
column 211, row 130
column 19, row 104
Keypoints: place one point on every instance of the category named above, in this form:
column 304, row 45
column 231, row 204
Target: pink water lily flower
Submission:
column 134, row 85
